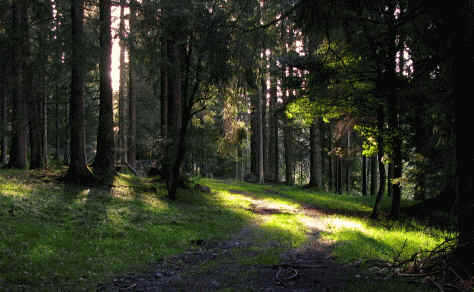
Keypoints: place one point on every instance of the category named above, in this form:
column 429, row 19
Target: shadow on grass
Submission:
column 70, row 237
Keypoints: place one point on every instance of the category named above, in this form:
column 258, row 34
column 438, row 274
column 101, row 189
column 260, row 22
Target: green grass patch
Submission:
column 356, row 237
column 55, row 236
column 364, row 239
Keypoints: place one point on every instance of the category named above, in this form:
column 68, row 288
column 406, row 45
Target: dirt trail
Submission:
column 213, row 266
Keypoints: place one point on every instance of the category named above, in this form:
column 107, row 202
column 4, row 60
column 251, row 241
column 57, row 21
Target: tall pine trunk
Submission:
column 273, row 173
column 261, row 125
column 393, row 104
column 330, row 159
column 164, row 87
column 104, row 159
column 3, row 116
column 78, row 170
column 132, row 94
column 462, row 63
column 364, row 175
column 289, row 165
column 381, row 167
column 315, row 155
column 19, row 87
column 175, row 147
column 373, row 174
column 122, row 134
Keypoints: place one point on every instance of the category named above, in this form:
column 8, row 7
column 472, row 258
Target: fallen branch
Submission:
column 296, row 266
column 440, row 288
column 418, row 275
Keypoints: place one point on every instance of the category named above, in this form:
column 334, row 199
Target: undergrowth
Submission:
column 55, row 236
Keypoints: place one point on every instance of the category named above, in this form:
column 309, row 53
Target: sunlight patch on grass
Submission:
column 357, row 238
column 287, row 229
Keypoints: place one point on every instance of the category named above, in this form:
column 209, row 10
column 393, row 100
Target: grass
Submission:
column 356, row 237
column 55, row 236
column 60, row 237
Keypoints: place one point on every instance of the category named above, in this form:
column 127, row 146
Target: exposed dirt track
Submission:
column 214, row 266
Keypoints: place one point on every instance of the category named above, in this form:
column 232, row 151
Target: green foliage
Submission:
column 369, row 145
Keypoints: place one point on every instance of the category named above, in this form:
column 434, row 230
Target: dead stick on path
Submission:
column 294, row 266
column 440, row 288
column 418, row 275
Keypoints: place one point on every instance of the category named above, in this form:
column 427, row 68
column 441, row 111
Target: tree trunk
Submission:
column 36, row 111
column 330, row 160
column 66, row 130
column 273, row 173
column 104, row 159
column 364, row 175
column 339, row 175
column 373, row 175
column 323, row 153
column 56, row 122
column 380, row 150
column 420, row 142
column 78, row 171
column 44, row 123
column 20, row 89
column 348, row 163
column 289, row 167
column 347, row 176
column 254, row 137
column 397, row 156
column 462, row 63
column 3, row 116
column 122, row 134
column 36, row 143
column 175, row 147
column 315, row 155
column 389, row 179
column 132, row 94
column 261, row 125
column 164, row 88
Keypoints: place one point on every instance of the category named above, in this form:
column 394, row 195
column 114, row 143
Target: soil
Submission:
column 213, row 266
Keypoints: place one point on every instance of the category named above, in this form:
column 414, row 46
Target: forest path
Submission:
column 246, row 262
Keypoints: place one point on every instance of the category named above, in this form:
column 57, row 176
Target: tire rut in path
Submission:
column 210, row 266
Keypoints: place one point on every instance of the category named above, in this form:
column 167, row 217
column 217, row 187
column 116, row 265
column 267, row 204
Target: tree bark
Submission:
column 175, row 147
column 462, row 63
column 381, row 167
column 348, row 163
column 19, row 53
column 78, row 171
column 261, row 125
column 164, row 87
column 289, row 165
column 330, row 160
column 104, row 160
column 389, row 179
column 273, row 174
column 122, row 134
column 364, row 175
column 3, row 116
column 254, row 137
column 132, row 94
column 373, row 174
column 315, row 155
column 339, row 175
column 66, row 136
column 323, row 153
